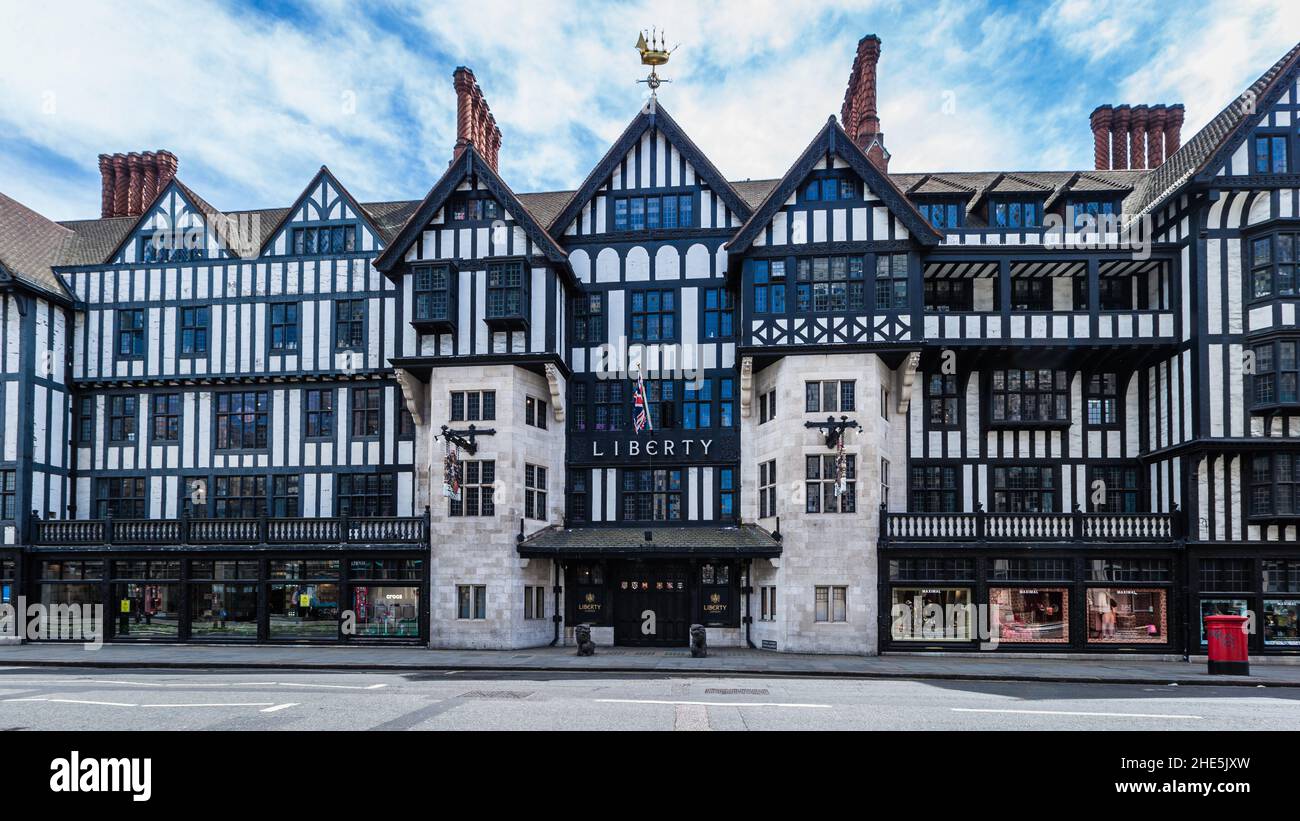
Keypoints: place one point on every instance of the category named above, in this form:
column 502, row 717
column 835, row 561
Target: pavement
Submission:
column 674, row 662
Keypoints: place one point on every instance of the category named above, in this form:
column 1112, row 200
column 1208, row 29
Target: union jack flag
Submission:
column 641, row 407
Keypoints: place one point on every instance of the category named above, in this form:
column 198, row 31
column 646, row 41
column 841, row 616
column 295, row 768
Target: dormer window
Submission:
column 324, row 239
column 943, row 214
column 1016, row 213
column 433, row 297
column 1092, row 207
column 1271, row 154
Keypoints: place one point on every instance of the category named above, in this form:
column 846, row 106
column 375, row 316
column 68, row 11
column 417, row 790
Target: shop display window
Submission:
column 386, row 611
column 1221, row 607
column 1032, row 615
column 305, row 610
column 1123, row 615
column 932, row 614
column 225, row 611
column 146, row 610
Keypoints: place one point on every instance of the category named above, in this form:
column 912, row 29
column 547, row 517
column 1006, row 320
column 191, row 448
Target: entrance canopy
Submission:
column 744, row 541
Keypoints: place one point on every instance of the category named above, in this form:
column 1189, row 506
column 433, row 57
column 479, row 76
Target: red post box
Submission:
column 1229, row 644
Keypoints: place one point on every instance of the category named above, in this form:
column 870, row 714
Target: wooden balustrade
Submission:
column 1019, row 527
column 259, row 531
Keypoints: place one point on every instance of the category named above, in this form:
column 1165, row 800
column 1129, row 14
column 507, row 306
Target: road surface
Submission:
column 36, row 698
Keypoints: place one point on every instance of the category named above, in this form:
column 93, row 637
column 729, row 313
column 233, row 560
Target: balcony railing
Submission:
column 1019, row 527
column 213, row 532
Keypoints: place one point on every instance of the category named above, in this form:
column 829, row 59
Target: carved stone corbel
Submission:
column 906, row 378
column 556, row 382
column 413, row 393
column 746, row 385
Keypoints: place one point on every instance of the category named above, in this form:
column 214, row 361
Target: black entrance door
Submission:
column 652, row 604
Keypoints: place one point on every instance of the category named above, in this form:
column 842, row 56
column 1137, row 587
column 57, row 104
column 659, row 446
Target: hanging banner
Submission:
column 451, row 473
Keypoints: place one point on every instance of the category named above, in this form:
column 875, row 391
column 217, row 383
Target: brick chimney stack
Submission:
column 475, row 124
column 129, row 182
column 1173, row 129
column 1138, row 152
column 1102, row 117
column 1119, row 143
column 1137, row 137
column 859, row 115
column 1156, row 136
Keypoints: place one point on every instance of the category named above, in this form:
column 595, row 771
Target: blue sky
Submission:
column 254, row 97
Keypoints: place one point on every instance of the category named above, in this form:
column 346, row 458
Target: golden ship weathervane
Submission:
column 653, row 54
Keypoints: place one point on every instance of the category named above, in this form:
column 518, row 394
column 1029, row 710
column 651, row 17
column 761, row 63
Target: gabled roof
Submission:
column 1015, row 184
column 1210, row 147
column 324, row 172
column 469, row 164
column 214, row 221
column 31, row 245
column 1115, row 183
column 935, row 185
column 651, row 116
column 832, row 140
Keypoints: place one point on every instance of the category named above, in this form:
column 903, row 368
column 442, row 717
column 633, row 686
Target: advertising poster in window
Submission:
column 1121, row 615
column 932, row 614
column 1280, row 622
column 1031, row 615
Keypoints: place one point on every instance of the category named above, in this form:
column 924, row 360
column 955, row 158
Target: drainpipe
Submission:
column 556, row 617
column 749, row 614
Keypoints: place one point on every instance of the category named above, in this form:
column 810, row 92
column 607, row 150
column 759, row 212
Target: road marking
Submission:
column 1072, row 713
column 227, row 704
column 76, row 701
column 706, row 703
column 277, row 708
column 58, row 682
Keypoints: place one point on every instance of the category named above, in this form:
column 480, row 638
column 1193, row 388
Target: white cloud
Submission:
column 254, row 105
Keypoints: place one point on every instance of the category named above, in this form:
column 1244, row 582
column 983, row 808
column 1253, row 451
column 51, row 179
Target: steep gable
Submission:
column 877, row 211
column 471, row 173
column 652, row 153
column 180, row 225
column 324, row 203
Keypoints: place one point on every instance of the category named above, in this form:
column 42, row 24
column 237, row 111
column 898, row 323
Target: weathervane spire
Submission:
column 653, row 54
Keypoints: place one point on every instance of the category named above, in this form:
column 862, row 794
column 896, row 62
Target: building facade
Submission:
column 842, row 411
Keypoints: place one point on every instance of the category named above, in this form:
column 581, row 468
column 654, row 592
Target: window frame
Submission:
column 170, row 413
column 195, row 323
column 346, row 330
column 261, row 417
column 132, row 324
column 121, row 419
column 1276, row 374
column 1002, row 419
column 284, row 327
